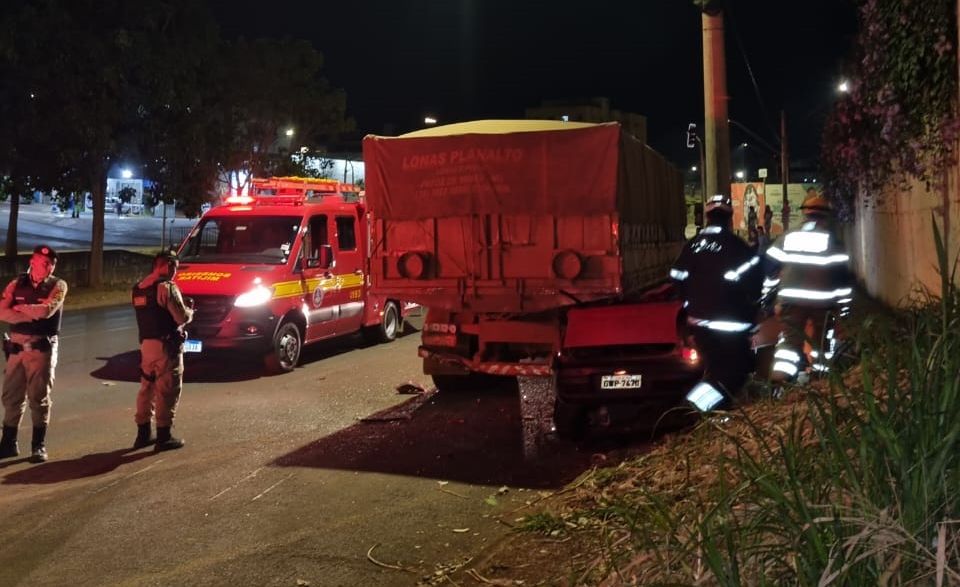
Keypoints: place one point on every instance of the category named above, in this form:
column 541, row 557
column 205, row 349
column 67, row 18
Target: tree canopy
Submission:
column 91, row 83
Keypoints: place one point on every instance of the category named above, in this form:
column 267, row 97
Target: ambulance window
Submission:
column 346, row 233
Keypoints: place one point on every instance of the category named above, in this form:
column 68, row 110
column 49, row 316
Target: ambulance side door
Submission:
column 318, row 263
column 349, row 272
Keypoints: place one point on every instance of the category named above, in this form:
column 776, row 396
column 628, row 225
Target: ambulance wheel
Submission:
column 390, row 327
column 287, row 344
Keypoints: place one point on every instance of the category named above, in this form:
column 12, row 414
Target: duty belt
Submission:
column 12, row 348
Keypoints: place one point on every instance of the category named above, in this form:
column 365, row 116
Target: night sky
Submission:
column 399, row 60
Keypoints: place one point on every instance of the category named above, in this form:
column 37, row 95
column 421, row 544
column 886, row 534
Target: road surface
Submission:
column 283, row 479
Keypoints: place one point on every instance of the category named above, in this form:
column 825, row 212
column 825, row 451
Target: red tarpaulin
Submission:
column 542, row 170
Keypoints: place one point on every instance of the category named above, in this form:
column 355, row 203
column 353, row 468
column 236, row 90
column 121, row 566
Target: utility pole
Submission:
column 717, row 135
column 784, row 171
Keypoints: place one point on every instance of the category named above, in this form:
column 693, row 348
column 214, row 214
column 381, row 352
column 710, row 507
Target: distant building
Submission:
column 590, row 110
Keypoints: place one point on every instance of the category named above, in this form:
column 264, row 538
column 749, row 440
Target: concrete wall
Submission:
column 892, row 244
column 120, row 268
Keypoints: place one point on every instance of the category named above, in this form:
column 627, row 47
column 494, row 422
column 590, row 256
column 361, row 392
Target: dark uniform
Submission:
column 811, row 275
column 718, row 276
column 161, row 313
column 34, row 310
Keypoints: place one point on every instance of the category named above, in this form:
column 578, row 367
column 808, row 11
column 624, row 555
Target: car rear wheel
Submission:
column 390, row 327
column 287, row 344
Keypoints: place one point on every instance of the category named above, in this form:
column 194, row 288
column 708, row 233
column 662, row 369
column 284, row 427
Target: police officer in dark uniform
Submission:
column 810, row 275
column 33, row 305
column 161, row 315
column 719, row 278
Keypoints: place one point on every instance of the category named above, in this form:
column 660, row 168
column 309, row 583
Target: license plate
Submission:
column 192, row 346
column 620, row 382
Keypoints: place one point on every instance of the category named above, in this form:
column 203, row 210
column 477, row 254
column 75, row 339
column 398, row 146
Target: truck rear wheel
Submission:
column 287, row 344
column 390, row 327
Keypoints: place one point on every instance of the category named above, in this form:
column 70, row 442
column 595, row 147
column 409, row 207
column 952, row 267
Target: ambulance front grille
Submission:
column 209, row 310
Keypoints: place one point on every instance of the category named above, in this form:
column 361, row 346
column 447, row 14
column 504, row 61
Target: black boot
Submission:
column 165, row 441
column 8, row 443
column 38, row 451
column 143, row 436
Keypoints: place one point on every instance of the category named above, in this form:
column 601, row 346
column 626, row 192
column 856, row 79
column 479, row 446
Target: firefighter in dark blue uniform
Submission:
column 809, row 273
column 719, row 278
column 32, row 304
column 161, row 314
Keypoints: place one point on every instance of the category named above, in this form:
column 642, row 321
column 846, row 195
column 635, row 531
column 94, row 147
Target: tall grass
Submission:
column 861, row 486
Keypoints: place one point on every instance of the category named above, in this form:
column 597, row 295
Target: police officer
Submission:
column 719, row 278
column 32, row 304
column 809, row 270
column 161, row 315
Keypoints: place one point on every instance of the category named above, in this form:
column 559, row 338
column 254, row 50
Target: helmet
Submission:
column 816, row 203
column 719, row 202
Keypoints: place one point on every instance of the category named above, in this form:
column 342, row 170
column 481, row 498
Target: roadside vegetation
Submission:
column 848, row 481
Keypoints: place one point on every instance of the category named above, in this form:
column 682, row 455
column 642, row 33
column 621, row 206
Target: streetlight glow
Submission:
column 126, row 174
column 694, row 168
column 843, row 87
column 429, row 120
column 288, row 132
column 741, row 175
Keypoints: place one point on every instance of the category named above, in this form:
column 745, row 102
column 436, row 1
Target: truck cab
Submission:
column 282, row 268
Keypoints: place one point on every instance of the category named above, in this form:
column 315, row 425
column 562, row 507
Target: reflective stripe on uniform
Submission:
column 711, row 230
column 799, row 259
column 705, row 396
column 787, row 355
column 679, row 274
column 721, row 325
column 785, row 367
column 806, row 241
column 814, row 294
column 734, row 274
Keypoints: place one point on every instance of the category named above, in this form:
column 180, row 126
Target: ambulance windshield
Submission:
column 253, row 240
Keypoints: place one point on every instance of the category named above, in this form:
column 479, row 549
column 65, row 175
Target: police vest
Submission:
column 26, row 293
column 153, row 320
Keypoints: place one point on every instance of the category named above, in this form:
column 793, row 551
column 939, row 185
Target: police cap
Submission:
column 46, row 251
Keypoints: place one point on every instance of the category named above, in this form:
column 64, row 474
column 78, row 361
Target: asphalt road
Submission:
column 285, row 480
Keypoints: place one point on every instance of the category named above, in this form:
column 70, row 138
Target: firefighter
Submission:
column 32, row 304
column 719, row 278
column 161, row 314
column 809, row 272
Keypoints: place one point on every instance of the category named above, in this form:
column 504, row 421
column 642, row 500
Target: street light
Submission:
column 288, row 132
column 694, row 168
column 740, row 175
column 126, row 174
column 843, row 87
column 429, row 120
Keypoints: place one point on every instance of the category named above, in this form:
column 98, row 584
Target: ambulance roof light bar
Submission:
column 294, row 191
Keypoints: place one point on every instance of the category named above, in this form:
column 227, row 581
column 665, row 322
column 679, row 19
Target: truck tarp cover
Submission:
column 516, row 167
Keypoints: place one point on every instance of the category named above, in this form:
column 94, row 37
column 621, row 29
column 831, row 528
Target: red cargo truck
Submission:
column 540, row 250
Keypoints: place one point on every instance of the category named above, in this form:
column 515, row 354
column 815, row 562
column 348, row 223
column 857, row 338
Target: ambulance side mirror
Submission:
column 326, row 257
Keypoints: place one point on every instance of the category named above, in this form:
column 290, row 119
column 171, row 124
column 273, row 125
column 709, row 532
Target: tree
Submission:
column 276, row 87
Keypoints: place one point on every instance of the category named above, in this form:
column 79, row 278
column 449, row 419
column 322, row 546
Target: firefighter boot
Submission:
column 8, row 444
column 143, row 436
column 165, row 441
column 38, row 450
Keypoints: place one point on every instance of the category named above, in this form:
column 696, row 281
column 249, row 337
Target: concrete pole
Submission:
column 784, row 170
column 717, row 130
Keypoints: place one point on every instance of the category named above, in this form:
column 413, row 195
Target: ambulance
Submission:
column 283, row 267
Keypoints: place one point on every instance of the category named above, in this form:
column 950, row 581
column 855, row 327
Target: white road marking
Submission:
column 250, row 476
column 269, row 489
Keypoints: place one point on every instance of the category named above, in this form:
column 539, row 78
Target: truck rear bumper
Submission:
column 491, row 368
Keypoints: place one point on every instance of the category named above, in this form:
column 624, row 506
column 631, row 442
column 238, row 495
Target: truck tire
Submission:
column 390, row 327
column 287, row 344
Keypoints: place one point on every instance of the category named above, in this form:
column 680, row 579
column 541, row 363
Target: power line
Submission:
column 753, row 79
